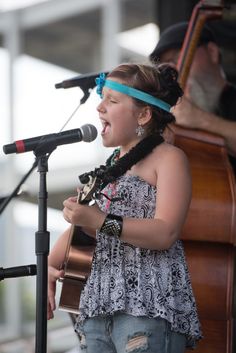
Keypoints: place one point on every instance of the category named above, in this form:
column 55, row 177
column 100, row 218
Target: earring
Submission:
column 140, row 131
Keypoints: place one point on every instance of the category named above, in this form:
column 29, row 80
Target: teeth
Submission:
column 105, row 124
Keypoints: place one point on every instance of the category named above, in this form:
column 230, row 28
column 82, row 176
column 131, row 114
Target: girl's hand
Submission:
column 83, row 215
column 53, row 276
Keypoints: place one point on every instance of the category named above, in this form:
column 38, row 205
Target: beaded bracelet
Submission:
column 112, row 225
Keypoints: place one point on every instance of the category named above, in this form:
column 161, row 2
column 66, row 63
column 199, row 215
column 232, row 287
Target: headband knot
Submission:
column 100, row 82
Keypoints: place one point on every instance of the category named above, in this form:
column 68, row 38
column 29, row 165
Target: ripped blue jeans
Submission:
column 123, row 333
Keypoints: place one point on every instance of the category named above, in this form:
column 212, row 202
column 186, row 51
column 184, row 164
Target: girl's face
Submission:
column 119, row 117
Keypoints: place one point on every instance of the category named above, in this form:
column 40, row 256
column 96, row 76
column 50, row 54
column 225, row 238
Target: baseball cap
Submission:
column 173, row 37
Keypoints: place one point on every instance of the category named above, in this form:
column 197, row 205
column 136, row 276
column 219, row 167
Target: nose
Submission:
column 101, row 107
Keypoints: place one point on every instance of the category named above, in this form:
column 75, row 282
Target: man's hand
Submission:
column 188, row 114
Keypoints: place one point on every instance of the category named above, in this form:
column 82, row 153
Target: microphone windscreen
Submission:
column 89, row 132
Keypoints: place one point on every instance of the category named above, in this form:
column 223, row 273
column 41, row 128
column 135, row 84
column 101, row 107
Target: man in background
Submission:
column 209, row 102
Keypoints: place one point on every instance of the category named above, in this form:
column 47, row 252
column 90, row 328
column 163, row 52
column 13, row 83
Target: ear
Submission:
column 145, row 115
column 214, row 52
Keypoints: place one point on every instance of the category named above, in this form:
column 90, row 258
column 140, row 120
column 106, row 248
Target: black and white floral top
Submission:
column 138, row 281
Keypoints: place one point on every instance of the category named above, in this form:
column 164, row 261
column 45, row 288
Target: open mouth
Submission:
column 105, row 127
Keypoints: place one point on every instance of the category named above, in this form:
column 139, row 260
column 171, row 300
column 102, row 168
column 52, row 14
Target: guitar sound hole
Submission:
column 81, row 238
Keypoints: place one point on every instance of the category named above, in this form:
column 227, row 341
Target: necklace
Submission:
column 115, row 157
column 111, row 190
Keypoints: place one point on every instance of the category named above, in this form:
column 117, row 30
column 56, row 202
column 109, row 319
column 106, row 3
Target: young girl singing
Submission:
column 138, row 297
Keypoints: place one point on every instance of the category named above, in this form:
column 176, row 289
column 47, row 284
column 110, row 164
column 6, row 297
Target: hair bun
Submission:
column 168, row 72
column 168, row 76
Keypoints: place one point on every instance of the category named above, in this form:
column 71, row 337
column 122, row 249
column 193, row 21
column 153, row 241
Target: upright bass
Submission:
column 209, row 234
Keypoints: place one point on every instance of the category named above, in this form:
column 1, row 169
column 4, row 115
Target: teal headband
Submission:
column 130, row 91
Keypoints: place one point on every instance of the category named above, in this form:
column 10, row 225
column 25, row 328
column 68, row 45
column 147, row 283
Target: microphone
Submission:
column 20, row 271
column 86, row 133
column 85, row 81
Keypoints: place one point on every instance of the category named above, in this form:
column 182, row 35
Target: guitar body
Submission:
column 78, row 259
column 77, row 269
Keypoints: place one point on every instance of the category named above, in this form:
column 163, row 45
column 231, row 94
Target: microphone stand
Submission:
column 42, row 242
column 42, row 237
column 42, row 250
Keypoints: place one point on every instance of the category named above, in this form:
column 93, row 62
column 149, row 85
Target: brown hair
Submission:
column 158, row 80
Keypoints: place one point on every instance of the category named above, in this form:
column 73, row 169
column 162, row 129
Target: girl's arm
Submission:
column 172, row 204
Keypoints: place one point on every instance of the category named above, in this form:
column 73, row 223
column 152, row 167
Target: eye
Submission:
column 113, row 99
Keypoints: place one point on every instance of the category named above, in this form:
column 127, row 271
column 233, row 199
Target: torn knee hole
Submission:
column 137, row 343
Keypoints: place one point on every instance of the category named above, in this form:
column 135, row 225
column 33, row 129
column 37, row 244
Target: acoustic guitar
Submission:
column 79, row 256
